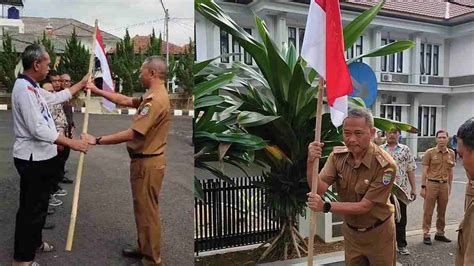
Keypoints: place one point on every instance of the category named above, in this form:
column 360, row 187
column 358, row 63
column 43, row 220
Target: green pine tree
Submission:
column 9, row 59
column 75, row 60
column 126, row 65
column 183, row 71
column 49, row 46
column 155, row 45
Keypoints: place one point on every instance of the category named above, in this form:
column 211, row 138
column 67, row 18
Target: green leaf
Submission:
column 210, row 86
column 357, row 27
column 391, row 48
column 387, row 125
column 208, row 101
column 198, row 192
column 252, row 119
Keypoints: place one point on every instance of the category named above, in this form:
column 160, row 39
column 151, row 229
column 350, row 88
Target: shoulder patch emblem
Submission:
column 340, row 149
column 145, row 109
column 387, row 177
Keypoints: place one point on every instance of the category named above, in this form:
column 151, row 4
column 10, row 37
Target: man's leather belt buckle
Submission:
column 141, row 155
column 438, row 181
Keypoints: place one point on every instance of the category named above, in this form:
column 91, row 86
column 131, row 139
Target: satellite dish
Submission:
column 364, row 82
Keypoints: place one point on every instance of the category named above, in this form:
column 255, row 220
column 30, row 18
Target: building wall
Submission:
column 461, row 59
column 459, row 104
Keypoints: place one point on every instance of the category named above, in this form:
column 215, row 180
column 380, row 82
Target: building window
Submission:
column 227, row 40
column 391, row 111
column 301, row 38
column 429, row 59
column 395, row 61
column 384, row 58
column 356, row 49
column 435, row 60
column 224, row 46
column 247, row 57
column 235, row 49
column 292, row 36
column 422, row 59
column 427, row 121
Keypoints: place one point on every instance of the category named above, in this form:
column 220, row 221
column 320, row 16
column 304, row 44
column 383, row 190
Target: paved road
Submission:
column 105, row 221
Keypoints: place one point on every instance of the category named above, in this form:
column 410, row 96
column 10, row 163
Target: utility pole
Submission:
column 167, row 18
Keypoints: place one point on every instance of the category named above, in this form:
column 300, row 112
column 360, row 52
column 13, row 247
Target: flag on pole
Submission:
column 323, row 49
column 107, row 83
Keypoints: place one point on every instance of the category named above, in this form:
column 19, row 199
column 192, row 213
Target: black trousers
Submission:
column 35, row 186
column 401, row 226
column 60, row 161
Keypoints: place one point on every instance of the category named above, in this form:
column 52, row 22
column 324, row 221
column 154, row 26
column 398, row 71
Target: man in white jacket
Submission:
column 36, row 138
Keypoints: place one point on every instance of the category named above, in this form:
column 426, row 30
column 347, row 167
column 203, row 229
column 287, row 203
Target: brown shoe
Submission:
column 132, row 253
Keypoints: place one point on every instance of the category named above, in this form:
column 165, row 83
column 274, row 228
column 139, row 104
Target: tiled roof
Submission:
column 62, row 27
column 141, row 43
column 439, row 9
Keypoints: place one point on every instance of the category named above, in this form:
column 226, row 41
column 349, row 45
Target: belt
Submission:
column 141, row 155
column 370, row 227
column 438, row 181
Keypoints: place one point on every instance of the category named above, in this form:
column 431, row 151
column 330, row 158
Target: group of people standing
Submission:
column 44, row 134
column 363, row 174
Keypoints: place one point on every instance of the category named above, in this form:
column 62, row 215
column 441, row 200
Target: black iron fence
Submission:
column 232, row 216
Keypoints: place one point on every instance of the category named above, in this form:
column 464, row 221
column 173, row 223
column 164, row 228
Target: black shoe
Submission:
column 48, row 226
column 66, row 180
column 442, row 238
column 51, row 211
column 427, row 240
column 132, row 253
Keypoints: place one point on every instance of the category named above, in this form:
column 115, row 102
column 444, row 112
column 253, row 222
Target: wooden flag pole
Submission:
column 75, row 201
column 315, row 177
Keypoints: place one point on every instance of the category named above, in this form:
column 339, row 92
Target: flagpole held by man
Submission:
column 364, row 190
column 324, row 30
column 80, row 166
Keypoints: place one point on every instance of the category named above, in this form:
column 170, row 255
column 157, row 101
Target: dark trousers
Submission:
column 401, row 226
column 35, row 186
column 60, row 161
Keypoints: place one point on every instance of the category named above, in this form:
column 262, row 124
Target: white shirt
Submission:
column 35, row 132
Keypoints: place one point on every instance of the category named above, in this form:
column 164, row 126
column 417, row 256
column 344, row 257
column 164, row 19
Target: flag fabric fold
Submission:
column 107, row 83
column 323, row 49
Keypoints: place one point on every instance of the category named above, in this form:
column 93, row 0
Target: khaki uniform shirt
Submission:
column 372, row 179
column 152, row 121
column 464, row 254
column 469, row 193
column 439, row 163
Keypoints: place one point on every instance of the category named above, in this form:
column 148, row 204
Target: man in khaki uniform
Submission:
column 464, row 254
column 146, row 143
column 436, row 180
column 363, row 175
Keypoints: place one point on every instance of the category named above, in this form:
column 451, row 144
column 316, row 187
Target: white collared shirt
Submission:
column 35, row 131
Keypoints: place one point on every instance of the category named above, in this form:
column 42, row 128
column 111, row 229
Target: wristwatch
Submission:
column 97, row 140
column 327, row 207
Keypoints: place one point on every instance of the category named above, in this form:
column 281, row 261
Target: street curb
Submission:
column 121, row 111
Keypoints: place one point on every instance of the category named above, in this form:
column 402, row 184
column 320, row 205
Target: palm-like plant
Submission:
column 214, row 140
column 283, row 89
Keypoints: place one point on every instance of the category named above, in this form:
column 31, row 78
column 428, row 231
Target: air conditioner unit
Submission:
column 424, row 79
column 387, row 77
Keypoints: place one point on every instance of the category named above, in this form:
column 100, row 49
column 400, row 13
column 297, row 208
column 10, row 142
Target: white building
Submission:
column 430, row 86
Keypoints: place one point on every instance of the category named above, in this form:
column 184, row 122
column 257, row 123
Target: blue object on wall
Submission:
column 13, row 13
column 364, row 82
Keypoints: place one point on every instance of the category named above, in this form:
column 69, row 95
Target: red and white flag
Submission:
column 323, row 49
column 107, row 83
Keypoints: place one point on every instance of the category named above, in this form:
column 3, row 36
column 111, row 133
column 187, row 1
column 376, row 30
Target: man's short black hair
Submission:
column 466, row 133
column 53, row 73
